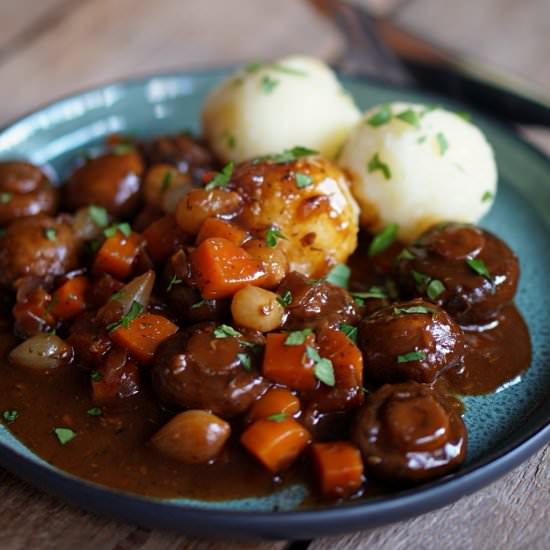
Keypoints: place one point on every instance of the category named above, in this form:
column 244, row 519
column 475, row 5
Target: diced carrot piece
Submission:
column 117, row 255
column 276, row 444
column 70, row 298
column 163, row 237
column 144, row 335
column 288, row 365
column 221, row 268
column 275, row 401
column 339, row 468
column 214, row 227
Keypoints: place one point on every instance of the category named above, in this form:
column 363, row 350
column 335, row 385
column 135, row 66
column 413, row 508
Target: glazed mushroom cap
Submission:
column 468, row 271
column 409, row 433
column 413, row 340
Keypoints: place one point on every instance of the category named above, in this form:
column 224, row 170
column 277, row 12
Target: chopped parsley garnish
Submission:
column 411, row 356
column 117, row 295
column 198, row 304
column 64, row 435
column 123, row 149
column 50, row 233
column 285, row 299
column 477, row 265
column 421, row 139
column 221, row 179
column 98, row 215
column 428, row 109
column 487, row 196
column 375, row 164
column 133, row 313
column 5, row 197
column 96, row 376
column 442, row 143
column 244, row 358
column 288, row 70
column 383, row 239
column 231, row 141
column 272, row 234
column 175, row 280
column 405, row 254
column 411, row 310
column 464, row 115
column 253, row 67
column 124, row 228
column 434, row 289
column 166, row 181
column 277, row 417
column 95, row 411
column 288, row 155
column 226, row 331
column 376, row 292
column 382, row 116
column 339, row 275
column 324, row 371
column 268, row 84
column 297, row 337
column 302, row 180
column 410, row 117
column 10, row 416
column 350, row 331
column 420, row 279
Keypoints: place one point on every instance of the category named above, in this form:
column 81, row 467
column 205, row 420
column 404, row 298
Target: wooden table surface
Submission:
column 50, row 48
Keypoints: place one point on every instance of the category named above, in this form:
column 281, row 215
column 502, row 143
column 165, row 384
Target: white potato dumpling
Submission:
column 307, row 203
column 266, row 108
column 417, row 166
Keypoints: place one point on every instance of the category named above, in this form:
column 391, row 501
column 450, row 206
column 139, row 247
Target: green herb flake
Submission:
column 409, row 117
column 285, row 299
column 166, row 181
column 288, row 155
column 98, row 215
column 10, row 415
column 50, row 233
column 272, row 234
column 198, row 304
column 268, row 84
column 442, row 143
column 339, row 275
column 123, row 149
column 124, row 228
column 411, row 356
column 324, row 371
column 175, row 280
column 350, row 331
column 375, row 164
column 383, row 239
column 226, row 331
column 405, row 254
column 297, row 337
column 221, row 179
column 464, row 115
column 411, row 310
column 287, row 70
column 376, row 292
column 5, row 197
column 487, row 196
column 421, row 280
column 96, row 376
column 117, row 296
column 133, row 313
column 302, row 180
column 434, row 289
column 231, row 141
column 381, row 117
column 278, row 417
column 428, row 109
column 477, row 265
column 253, row 67
column 64, row 435
column 95, row 411
column 421, row 140
column 244, row 358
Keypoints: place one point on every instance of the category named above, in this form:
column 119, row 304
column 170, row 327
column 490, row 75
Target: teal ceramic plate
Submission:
column 504, row 427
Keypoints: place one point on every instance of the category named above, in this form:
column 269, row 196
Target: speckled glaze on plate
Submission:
column 504, row 428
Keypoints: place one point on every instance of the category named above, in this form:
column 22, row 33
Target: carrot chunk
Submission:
column 277, row 401
column 144, row 335
column 70, row 298
column 288, row 364
column 276, row 444
column 117, row 255
column 162, row 237
column 221, row 268
column 214, row 227
column 339, row 468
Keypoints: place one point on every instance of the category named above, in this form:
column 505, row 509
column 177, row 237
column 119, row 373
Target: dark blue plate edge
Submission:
column 301, row 524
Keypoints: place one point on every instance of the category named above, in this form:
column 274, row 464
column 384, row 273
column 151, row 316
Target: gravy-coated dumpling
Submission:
column 412, row 340
column 269, row 107
column 409, row 433
column 463, row 268
column 308, row 201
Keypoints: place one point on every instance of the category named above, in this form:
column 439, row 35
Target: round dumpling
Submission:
column 266, row 108
column 307, row 202
column 418, row 166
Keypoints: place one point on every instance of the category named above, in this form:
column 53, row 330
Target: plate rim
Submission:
column 292, row 524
